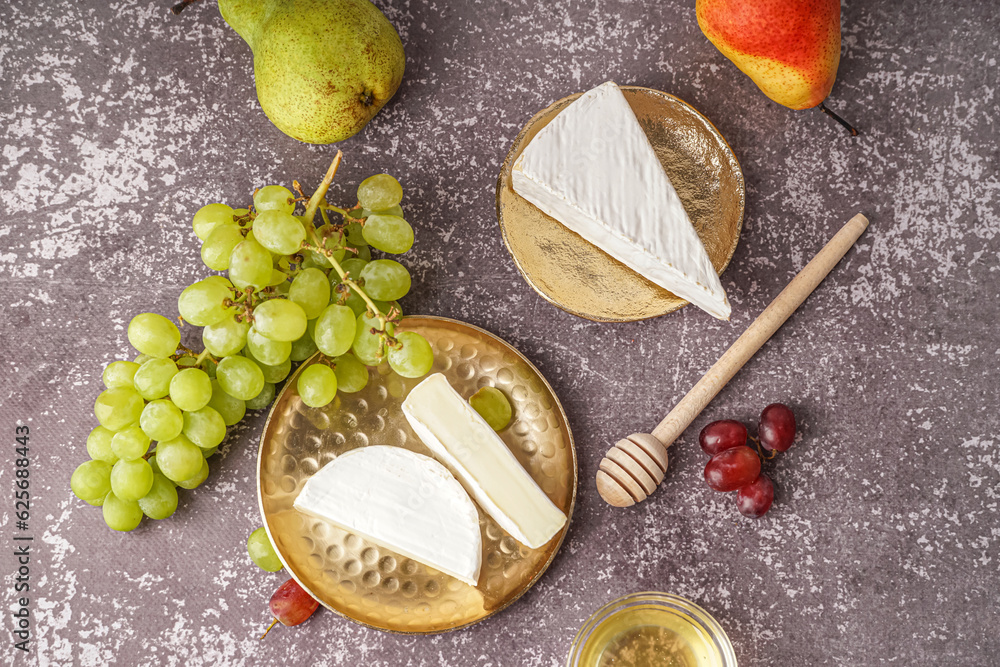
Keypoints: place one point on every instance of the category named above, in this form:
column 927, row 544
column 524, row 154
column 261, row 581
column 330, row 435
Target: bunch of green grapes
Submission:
column 293, row 288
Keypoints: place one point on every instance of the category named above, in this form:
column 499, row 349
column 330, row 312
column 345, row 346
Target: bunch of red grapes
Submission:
column 735, row 466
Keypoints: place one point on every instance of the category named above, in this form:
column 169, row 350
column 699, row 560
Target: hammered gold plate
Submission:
column 579, row 277
column 372, row 585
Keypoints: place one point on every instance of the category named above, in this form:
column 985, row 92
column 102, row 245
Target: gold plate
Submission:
column 579, row 277
column 372, row 585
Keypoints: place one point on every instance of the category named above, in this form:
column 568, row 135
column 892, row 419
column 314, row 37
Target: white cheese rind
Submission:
column 404, row 501
column 593, row 169
column 490, row 472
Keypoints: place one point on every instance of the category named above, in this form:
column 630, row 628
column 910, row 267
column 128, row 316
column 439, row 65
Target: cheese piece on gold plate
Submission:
column 404, row 501
column 464, row 442
column 594, row 170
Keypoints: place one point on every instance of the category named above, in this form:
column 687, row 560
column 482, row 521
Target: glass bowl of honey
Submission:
column 651, row 630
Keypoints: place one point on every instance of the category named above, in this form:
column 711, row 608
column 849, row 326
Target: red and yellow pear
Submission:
column 789, row 48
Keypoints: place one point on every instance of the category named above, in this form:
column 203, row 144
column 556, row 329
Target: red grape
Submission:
column 291, row 605
column 721, row 435
column 776, row 428
column 754, row 499
column 732, row 468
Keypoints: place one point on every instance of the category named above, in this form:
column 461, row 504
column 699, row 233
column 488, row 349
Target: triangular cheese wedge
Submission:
column 401, row 500
column 593, row 169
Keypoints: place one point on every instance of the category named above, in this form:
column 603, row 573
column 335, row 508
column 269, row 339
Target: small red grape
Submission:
column 722, row 435
column 754, row 499
column 776, row 428
column 291, row 605
column 732, row 468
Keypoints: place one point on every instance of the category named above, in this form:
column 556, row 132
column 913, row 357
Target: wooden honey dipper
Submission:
column 635, row 466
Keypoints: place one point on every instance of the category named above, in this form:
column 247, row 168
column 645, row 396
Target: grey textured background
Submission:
column 119, row 120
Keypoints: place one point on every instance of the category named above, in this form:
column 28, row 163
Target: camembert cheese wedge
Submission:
column 593, row 169
column 403, row 501
column 464, row 442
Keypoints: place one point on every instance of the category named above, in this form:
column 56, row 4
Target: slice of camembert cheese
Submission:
column 471, row 449
column 593, row 169
column 403, row 501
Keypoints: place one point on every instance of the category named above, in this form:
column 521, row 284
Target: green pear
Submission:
column 323, row 68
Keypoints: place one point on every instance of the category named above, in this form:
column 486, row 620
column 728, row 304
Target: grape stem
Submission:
column 315, row 202
column 269, row 628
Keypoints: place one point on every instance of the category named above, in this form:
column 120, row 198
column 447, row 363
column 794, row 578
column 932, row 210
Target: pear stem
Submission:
column 179, row 7
column 850, row 128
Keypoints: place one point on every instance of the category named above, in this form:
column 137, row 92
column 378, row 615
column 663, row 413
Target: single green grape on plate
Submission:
column 493, row 406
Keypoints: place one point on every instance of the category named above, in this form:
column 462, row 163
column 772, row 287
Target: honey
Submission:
column 651, row 630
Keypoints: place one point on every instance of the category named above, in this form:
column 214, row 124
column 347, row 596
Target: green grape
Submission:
column 263, row 399
column 396, row 210
column 152, row 380
column 161, row 420
column 99, row 445
column 130, row 443
column 225, row 338
column 368, row 347
column 187, row 361
column 141, row 359
column 280, row 319
column 232, row 409
column 179, row 459
column 91, row 480
column 304, row 347
column 279, row 232
column 191, row 389
column 266, row 350
column 313, row 260
column 209, row 366
column 209, row 452
column 117, row 408
column 272, row 373
column 154, row 335
column 413, row 358
column 353, row 267
column 205, row 428
column 195, row 480
column 273, row 198
column 250, row 265
column 209, row 216
column 386, row 280
column 364, row 253
column 219, row 246
column 161, row 501
column 355, row 236
column 240, row 378
column 96, row 502
column 277, row 278
column 385, row 306
column 152, row 465
column 335, row 330
column 317, row 385
column 311, row 290
column 388, row 233
column 262, row 552
column 352, row 375
column 493, row 406
column 201, row 303
column 131, row 480
column 379, row 191
column 119, row 374
column 121, row 515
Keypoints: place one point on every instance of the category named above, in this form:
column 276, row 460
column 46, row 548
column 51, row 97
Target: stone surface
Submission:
column 119, row 120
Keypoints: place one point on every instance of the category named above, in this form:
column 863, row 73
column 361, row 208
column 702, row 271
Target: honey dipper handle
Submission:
column 757, row 333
